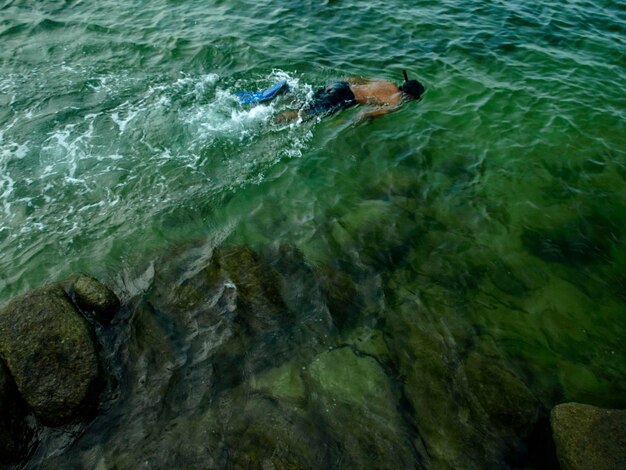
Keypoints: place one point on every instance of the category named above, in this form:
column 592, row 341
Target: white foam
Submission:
column 223, row 117
column 123, row 122
column 77, row 155
column 91, row 206
column 48, row 171
column 200, row 87
column 113, row 156
column 69, row 179
column 7, row 185
column 9, row 152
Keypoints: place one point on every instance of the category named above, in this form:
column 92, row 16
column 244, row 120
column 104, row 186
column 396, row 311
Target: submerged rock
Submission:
column 261, row 432
column 579, row 241
column 239, row 431
column 15, row 433
column 359, row 404
column 376, row 232
column 284, row 382
column 341, row 296
column 370, row 342
column 259, row 299
column 359, row 381
column 472, row 411
column 504, row 397
column 50, row 353
column 227, row 301
column 588, row 437
column 234, row 283
column 94, row 298
column 310, row 319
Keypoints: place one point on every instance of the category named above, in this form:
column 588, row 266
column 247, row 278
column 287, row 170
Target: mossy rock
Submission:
column 588, row 437
column 348, row 378
column 152, row 355
column 505, row 279
column 276, row 440
column 234, row 283
column 94, row 298
column 241, row 430
column 504, row 397
column 359, row 404
column 284, row 382
column 341, row 295
column 15, row 433
column 376, row 232
column 426, row 342
column 580, row 241
column 309, row 318
column 234, row 294
column 370, row 342
column 257, row 283
column 50, row 352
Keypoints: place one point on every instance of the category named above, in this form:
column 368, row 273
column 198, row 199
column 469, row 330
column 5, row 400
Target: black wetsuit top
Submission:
column 331, row 99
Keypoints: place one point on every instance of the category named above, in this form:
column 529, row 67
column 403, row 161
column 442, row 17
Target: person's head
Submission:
column 412, row 88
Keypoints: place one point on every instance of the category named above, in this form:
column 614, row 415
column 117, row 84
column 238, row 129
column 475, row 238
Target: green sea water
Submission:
column 487, row 220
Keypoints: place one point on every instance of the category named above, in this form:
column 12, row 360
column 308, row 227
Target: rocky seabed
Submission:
column 223, row 363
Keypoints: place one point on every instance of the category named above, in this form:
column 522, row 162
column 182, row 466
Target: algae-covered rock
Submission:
column 259, row 297
column 375, row 232
column 359, row 403
column 152, row 356
column 579, row 241
column 262, row 433
column 504, row 397
column 284, row 382
column 228, row 303
column 310, row 321
column 233, row 283
column 588, row 437
column 241, row 430
column 341, row 295
column 359, row 381
column 458, row 430
column 370, row 342
column 94, row 298
column 505, row 279
column 50, row 353
column 15, row 433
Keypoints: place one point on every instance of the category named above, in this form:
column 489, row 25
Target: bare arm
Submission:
column 380, row 111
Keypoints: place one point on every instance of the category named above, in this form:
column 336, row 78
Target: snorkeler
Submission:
column 384, row 96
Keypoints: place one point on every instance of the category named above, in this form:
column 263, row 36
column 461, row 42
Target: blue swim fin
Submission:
column 247, row 97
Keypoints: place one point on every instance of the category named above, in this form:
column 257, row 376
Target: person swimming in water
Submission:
column 384, row 96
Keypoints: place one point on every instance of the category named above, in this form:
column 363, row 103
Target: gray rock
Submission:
column 588, row 437
column 50, row 353
column 94, row 298
column 15, row 433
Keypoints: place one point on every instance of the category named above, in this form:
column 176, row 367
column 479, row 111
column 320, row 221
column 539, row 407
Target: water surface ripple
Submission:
column 485, row 221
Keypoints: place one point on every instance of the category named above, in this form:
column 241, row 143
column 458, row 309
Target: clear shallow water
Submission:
column 494, row 208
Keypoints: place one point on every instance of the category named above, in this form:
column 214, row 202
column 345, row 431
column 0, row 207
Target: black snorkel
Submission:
column 412, row 88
